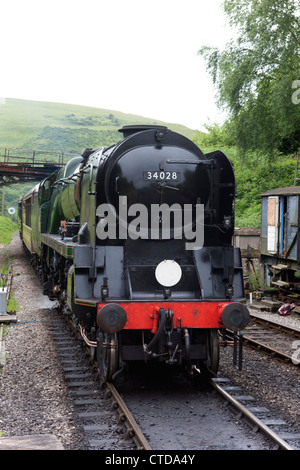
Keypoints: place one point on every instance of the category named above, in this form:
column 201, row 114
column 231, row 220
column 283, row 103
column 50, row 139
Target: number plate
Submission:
column 161, row 176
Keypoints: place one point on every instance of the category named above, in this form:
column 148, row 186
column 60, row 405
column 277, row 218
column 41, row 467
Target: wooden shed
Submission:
column 280, row 240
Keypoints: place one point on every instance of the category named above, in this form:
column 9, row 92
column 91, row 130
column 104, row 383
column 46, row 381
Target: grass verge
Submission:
column 7, row 229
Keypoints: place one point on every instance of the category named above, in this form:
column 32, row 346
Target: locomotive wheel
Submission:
column 210, row 367
column 107, row 355
column 214, row 351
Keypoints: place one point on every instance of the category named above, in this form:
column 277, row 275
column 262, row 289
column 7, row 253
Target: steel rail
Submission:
column 277, row 326
column 274, row 352
column 133, row 429
column 264, row 346
column 256, row 421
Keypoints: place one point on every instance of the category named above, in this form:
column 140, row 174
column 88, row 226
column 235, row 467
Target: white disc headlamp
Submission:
column 168, row 273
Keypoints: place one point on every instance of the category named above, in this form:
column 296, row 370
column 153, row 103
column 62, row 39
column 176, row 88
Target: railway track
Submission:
column 255, row 422
column 273, row 338
column 102, row 416
column 116, row 416
column 221, row 416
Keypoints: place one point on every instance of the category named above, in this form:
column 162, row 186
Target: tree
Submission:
column 258, row 73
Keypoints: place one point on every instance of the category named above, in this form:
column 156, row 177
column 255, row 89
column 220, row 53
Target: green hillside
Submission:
column 35, row 125
column 56, row 128
column 7, row 229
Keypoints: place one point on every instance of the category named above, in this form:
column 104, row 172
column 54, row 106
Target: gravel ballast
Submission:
column 33, row 394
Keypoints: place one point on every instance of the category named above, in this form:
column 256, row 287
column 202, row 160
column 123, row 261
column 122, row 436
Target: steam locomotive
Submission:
column 135, row 241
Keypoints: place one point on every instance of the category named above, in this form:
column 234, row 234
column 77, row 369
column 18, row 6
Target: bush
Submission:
column 255, row 173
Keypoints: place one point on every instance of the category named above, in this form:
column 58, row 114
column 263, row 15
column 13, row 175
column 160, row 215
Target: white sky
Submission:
column 133, row 56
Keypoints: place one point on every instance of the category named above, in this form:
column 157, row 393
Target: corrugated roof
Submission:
column 289, row 190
